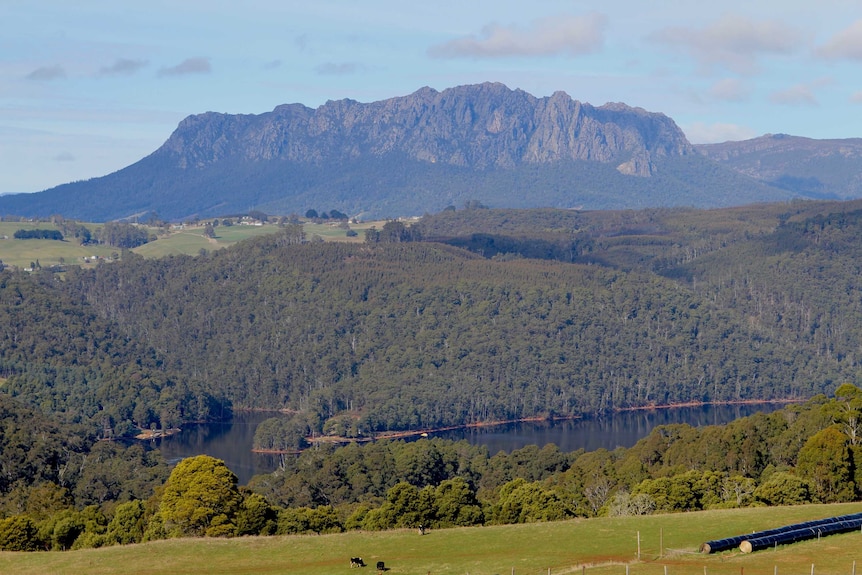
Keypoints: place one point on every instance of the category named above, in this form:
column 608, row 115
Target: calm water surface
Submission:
column 232, row 441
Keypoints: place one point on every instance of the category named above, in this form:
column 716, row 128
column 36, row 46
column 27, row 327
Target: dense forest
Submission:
column 413, row 329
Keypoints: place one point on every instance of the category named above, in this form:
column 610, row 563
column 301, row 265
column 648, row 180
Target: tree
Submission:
column 847, row 411
column 200, row 498
column 523, row 502
column 127, row 525
column 19, row 533
column 256, row 516
column 311, row 214
column 258, row 215
column 624, row 504
column 782, row 488
column 456, row 504
column 825, row 462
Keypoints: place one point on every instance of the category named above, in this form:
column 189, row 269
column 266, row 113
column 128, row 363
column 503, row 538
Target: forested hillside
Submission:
column 659, row 307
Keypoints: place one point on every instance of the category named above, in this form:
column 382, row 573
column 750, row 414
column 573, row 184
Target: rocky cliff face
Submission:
column 412, row 155
column 478, row 127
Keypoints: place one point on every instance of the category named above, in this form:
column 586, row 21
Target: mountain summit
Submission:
column 409, row 155
column 479, row 127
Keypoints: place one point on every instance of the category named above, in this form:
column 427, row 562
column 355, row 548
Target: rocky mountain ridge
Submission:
column 477, row 127
column 408, row 156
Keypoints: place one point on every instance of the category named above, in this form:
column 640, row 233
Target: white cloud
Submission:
column 558, row 35
column 845, row 44
column 122, row 66
column 47, row 73
column 701, row 133
column 802, row 94
column 188, row 66
column 734, row 42
column 730, row 90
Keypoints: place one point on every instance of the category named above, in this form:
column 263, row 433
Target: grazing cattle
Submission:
column 381, row 566
column 357, row 562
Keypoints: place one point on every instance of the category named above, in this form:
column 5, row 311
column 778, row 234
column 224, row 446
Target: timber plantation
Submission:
column 466, row 316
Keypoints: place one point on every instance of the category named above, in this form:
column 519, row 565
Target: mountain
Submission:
column 410, row 155
column 829, row 169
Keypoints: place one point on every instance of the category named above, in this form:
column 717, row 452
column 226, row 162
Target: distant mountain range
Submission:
column 830, row 169
column 423, row 152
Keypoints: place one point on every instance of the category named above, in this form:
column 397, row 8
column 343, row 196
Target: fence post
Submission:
column 639, row 545
column 854, row 568
column 775, row 570
column 812, row 569
column 661, row 543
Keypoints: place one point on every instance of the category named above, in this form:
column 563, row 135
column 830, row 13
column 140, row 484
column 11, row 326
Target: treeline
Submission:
column 38, row 235
column 804, row 453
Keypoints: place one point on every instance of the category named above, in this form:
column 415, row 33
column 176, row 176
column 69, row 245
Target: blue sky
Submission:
column 91, row 86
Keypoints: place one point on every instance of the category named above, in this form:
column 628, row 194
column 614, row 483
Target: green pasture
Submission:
column 22, row 253
column 605, row 546
column 190, row 241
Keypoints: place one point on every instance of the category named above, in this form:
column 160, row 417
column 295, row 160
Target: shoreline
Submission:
column 427, row 432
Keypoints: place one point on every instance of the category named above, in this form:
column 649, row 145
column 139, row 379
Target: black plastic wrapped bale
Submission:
column 810, row 532
column 718, row 545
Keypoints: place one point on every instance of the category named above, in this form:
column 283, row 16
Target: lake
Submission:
column 232, row 441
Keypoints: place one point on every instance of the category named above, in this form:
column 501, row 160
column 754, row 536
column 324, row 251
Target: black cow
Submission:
column 357, row 562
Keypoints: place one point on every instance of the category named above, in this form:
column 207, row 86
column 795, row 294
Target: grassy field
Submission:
column 604, row 546
column 189, row 241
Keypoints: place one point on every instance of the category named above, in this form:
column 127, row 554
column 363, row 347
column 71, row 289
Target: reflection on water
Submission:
column 609, row 432
column 232, row 441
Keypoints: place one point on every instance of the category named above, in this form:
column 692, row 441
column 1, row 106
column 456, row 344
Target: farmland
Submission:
column 601, row 546
column 188, row 239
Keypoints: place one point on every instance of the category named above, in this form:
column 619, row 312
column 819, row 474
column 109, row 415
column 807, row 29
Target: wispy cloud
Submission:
column 846, row 44
column 733, row 42
column 701, row 133
column 272, row 65
column 187, row 67
column 730, row 90
column 802, row 94
column 301, row 42
column 45, row 73
column 64, row 157
column 337, row 69
column 123, row 67
column 856, row 98
column 561, row 35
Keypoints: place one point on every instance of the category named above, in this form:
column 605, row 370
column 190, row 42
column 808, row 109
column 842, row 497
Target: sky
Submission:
column 92, row 86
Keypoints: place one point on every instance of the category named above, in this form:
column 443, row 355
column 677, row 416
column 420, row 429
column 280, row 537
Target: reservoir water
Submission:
column 232, row 441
